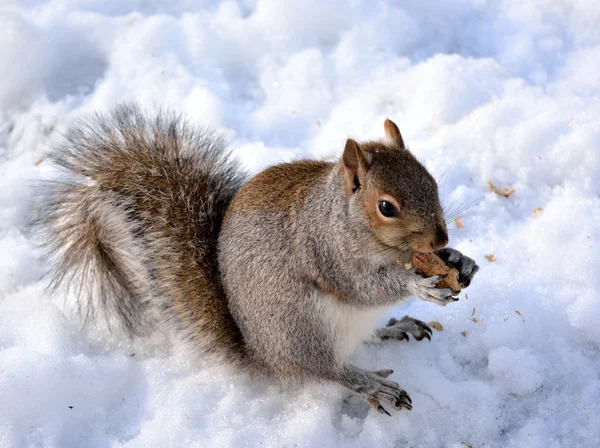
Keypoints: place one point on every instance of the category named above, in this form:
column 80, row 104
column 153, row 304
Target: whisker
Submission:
column 441, row 180
column 449, row 206
column 469, row 211
column 463, row 216
column 397, row 246
column 436, row 168
column 475, row 196
column 467, row 205
column 462, row 212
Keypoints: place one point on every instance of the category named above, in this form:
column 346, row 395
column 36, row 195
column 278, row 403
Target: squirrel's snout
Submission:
column 432, row 241
column 440, row 240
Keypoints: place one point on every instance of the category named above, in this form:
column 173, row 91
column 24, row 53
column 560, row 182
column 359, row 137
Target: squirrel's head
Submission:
column 388, row 186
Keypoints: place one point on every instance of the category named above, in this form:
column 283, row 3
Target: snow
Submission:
column 499, row 90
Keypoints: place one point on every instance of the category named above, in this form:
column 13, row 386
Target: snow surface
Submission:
column 499, row 90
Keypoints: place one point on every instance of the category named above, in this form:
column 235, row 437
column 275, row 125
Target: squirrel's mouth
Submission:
column 423, row 248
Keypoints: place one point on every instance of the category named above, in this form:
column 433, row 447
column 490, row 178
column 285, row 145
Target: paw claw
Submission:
column 404, row 401
column 378, row 391
column 400, row 329
column 382, row 410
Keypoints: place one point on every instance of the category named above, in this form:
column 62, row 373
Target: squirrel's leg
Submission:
column 400, row 329
column 374, row 388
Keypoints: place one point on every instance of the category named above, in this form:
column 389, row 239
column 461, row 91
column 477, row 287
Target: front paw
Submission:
column 466, row 267
column 424, row 288
column 400, row 329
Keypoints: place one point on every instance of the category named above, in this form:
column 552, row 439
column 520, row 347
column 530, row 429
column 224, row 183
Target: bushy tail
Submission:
column 132, row 225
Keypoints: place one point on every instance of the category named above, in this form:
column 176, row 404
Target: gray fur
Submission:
column 137, row 226
column 282, row 314
column 132, row 224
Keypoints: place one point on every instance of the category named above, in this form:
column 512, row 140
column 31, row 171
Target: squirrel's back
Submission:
column 132, row 226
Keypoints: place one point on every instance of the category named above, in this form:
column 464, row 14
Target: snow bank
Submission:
column 506, row 91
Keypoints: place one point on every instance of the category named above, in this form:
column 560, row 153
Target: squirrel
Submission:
column 154, row 223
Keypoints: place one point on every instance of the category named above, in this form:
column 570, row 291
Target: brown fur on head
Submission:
column 388, row 186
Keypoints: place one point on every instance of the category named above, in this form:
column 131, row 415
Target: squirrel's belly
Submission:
column 349, row 326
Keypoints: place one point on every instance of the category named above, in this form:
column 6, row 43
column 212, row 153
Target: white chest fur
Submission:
column 348, row 326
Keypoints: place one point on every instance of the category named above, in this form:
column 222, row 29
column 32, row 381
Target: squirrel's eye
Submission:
column 387, row 209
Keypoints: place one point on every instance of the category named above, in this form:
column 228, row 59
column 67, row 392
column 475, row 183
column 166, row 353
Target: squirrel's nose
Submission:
column 441, row 239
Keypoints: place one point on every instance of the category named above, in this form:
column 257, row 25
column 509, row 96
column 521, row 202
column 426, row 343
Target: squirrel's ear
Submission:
column 355, row 163
column 393, row 133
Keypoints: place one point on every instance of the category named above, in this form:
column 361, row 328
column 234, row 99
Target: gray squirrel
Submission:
column 154, row 224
